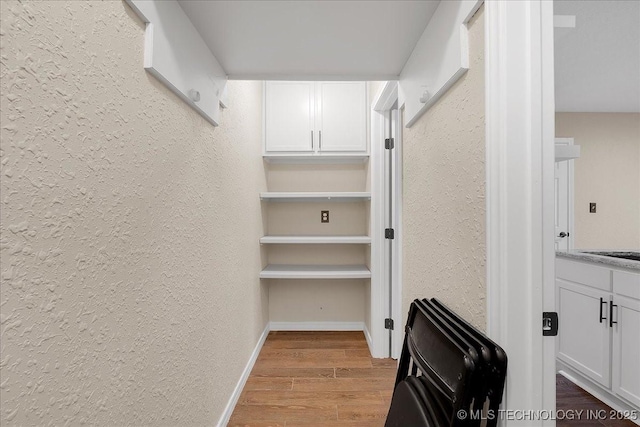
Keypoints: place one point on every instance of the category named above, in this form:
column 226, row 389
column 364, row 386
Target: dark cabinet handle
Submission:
column 602, row 301
column 611, row 321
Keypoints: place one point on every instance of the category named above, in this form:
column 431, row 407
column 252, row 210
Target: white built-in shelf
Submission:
column 317, row 240
column 306, row 159
column 286, row 271
column 315, row 196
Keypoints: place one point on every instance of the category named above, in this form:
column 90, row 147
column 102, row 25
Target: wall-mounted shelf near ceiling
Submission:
column 325, row 159
column 287, row 271
column 315, row 196
column 566, row 152
column 317, row 240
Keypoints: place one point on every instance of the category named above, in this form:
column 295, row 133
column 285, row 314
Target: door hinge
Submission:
column 388, row 323
column 389, row 233
column 549, row 323
column 389, row 144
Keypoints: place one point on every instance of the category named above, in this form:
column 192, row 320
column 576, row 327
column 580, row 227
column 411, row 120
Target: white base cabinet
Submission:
column 585, row 339
column 599, row 326
column 626, row 350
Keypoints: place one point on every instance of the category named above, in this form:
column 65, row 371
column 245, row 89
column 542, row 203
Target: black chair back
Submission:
column 449, row 372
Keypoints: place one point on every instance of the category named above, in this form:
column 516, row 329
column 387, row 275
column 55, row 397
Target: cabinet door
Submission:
column 584, row 341
column 626, row 349
column 342, row 117
column 289, row 116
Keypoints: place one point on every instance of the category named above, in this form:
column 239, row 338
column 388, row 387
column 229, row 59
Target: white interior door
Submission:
column 390, row 247
column 397, row 334
column 393, row 190
column 564, row 201
column 562, row 207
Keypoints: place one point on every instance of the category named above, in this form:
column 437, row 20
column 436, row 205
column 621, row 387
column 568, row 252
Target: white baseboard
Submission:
column 316, row 326
column 367, row 336
column 233, row 400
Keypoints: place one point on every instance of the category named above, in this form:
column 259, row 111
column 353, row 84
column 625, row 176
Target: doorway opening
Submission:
column 598, row 345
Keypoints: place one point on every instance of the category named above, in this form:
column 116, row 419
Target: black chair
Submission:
column 448, row 367
column 483, row 364
column 408, row 407
column 448, row 371
column 496, row 371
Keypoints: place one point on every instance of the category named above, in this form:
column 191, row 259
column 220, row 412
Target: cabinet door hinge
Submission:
column 549, row 323
column 388, row 323
column 389, row 233
column 389, row 144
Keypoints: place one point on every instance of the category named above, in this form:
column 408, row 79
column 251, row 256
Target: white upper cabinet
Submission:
column 342, row 116
column 315, row 118
column 289, row 116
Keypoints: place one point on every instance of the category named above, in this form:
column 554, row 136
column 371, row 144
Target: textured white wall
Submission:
column 129, row 229
column 444, row 195
column 607, row 173
column 317, row 300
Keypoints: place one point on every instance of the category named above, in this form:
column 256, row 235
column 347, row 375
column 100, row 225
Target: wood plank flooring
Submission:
column 328, row 379
column 571, row 397
column 310, row 379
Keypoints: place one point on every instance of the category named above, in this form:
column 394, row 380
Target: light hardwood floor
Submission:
column 316, row 379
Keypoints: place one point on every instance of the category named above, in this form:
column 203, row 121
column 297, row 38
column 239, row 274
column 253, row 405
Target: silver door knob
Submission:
column 562, row 234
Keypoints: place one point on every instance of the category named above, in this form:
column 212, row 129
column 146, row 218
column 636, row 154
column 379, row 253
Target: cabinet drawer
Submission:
column 583, row 273
column 626, row 284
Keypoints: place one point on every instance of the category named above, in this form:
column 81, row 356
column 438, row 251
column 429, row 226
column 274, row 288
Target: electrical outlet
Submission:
column 592, row 208
column 324, row 216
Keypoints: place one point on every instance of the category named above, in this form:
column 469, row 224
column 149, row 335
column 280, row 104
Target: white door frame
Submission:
column 520, row 110
column 382, row 105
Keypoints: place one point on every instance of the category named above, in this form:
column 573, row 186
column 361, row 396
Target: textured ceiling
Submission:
column 357, row 40
column 598, row 62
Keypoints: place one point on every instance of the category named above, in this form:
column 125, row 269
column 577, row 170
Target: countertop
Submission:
column 599, row 259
